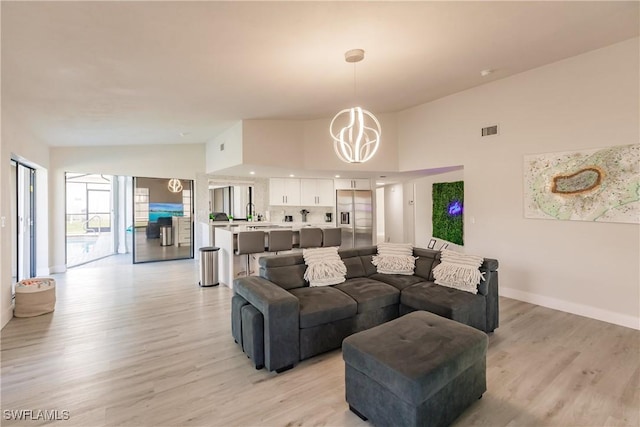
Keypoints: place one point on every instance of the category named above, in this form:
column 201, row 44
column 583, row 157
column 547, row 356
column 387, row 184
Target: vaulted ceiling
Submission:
column 102, row 73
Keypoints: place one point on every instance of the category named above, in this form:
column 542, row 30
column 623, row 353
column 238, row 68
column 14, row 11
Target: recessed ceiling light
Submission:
column 337, row 176
column 183, row 134
column 485, row 73
column 291, row 175
column 252, row 173
column 379, row 183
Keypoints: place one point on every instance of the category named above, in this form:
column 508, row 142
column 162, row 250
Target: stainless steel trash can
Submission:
column 209, row 266
column 166, row 235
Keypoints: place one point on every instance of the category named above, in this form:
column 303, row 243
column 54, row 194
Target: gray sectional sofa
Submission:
column 279, row 320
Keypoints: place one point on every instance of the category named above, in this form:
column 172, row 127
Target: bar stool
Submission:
column 310, row 237
column 280, row 240
column 331, row 237
column 250, row 242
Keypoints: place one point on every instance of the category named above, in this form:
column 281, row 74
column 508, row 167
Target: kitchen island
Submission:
column 231, row 265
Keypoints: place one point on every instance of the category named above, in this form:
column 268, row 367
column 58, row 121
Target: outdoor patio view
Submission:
column 88, row 217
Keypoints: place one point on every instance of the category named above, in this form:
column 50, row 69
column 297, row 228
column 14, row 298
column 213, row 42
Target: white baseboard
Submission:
column 573, row 308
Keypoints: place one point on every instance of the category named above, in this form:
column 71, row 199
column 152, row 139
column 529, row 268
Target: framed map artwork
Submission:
column 601, row 185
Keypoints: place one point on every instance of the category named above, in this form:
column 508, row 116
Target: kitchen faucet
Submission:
column 249, row 209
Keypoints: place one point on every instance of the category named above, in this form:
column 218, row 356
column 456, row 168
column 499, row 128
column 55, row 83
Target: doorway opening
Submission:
column 163, row 219
column 89, row 217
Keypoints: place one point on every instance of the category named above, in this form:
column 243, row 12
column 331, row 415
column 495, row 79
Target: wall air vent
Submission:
column 490, row 130
column 222, row 147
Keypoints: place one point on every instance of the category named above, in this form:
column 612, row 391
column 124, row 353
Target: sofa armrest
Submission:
column 281, row 313
column 489, row 288
column 488, row 267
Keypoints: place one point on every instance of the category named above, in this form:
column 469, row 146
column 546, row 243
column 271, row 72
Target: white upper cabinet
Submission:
column 326, row 193
column 316, row 192
column 284, row 192
column 353, row 184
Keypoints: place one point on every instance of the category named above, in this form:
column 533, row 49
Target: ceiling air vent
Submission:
column 222, row 147
column 490, row 130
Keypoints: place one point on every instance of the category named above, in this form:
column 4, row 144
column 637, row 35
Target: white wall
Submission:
column 587, row 101
column 380, row 215
column 319, row 153
column 19, row 143
column 297, row 144
column 273, row 142
column 184, row 161
column 408, row 212
column 232, row 153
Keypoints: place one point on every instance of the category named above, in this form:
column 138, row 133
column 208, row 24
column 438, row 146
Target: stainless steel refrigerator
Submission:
column 355, row 217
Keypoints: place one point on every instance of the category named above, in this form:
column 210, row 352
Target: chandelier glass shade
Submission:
column 175, row 186
column 356, row 135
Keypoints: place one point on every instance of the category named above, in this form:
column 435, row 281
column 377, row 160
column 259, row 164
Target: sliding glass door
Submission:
column 23, row 221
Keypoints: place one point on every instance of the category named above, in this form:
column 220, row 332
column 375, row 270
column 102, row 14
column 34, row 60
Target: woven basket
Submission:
column 35, row 297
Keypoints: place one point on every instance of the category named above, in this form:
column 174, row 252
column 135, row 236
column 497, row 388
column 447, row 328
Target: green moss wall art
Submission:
column 448, row 207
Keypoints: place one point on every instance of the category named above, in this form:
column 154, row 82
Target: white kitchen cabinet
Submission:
column 316, row 192
column 353, row 184
column 181, row 230
column 284, row 192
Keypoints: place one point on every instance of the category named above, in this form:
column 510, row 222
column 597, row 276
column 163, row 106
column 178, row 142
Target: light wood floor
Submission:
column 143, row 345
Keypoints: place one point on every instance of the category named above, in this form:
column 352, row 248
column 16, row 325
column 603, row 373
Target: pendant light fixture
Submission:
column 355, row 131
column 175, row 186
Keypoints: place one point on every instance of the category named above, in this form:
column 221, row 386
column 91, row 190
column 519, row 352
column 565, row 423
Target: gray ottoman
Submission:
column 418, row 370
column 253, row 334
column 237, row 302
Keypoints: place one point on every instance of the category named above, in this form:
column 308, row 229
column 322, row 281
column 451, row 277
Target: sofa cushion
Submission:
column 426, row 260
column 358, row 261
column 395, row 258
column 320, row 305
column 286, row 271
column 370, row 294
column 287, row 277
column 459, row 271
column 367, row 263
column 398, row 281
column 324, row 266
column 423, row 268
column 354, row 267
column 451, row 303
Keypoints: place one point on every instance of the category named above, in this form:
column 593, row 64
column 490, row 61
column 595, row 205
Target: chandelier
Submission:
column 355, row 131
column 175, row 186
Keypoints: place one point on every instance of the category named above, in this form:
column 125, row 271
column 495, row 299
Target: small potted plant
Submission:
column 230, row 218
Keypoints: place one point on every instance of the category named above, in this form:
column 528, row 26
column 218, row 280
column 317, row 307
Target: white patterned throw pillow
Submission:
column 395, row 258
column 324, row 266
column 459, row 271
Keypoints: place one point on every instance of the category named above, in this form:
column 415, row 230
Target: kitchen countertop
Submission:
column 266, row 227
